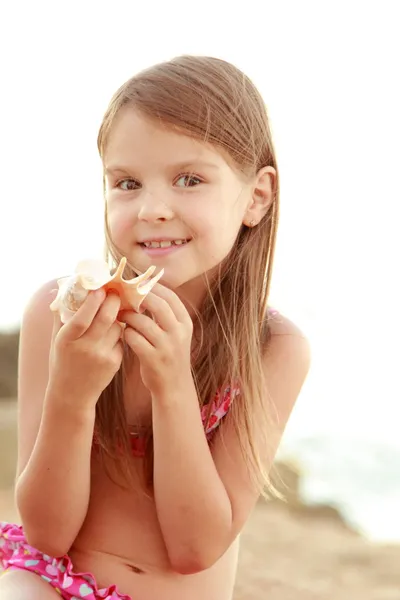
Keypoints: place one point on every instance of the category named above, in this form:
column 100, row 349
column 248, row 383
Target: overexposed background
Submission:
column 329, row 73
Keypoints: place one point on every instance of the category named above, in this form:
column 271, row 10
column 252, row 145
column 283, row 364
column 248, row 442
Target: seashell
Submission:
column 95, row 274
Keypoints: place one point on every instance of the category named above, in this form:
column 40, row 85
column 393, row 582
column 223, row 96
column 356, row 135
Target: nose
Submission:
column 154, row 209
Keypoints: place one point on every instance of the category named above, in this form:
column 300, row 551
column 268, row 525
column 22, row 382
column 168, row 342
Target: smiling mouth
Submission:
column 163, row 244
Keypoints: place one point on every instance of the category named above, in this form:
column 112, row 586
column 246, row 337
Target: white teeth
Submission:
column 164, row 244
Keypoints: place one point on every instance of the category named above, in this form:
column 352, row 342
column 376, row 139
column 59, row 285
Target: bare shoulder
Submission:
column 282, row 325
column 287, row 362
column 288, row 355
column 33, row 366
column 37, row 319
column 41, row 299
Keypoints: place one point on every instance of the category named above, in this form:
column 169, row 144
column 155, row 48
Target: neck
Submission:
column 193, row 292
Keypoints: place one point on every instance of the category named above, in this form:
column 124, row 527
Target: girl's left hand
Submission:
column 162, row 343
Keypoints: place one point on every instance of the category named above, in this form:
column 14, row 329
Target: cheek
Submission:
column 119, row 225
column 217, row 239
column 217, row 226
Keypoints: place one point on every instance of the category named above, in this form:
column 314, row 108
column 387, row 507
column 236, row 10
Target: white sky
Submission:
column 329, row 72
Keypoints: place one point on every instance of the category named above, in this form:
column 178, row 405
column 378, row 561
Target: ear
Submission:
column 262, row 196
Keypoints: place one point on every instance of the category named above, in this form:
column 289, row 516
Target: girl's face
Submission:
column 163, row 186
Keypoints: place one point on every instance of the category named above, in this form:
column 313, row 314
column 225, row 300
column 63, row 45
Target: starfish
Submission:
column 95, row 274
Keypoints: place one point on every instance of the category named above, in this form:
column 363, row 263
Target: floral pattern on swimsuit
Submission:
column 220, row 407
column 16, row 554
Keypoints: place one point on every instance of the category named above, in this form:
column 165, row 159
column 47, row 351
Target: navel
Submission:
column 136, row 570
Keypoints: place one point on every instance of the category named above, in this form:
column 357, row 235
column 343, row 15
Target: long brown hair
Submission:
column 212, row 101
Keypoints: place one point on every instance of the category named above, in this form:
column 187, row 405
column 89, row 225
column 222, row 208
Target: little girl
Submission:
column 145, row 439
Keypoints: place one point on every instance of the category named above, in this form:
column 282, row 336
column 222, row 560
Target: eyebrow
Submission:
column 174, row 167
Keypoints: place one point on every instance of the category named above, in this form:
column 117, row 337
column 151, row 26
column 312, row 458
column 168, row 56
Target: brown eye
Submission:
column 127, row 185
column 188, row 181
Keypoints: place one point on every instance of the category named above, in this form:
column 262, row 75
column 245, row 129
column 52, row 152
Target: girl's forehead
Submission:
column 135, row 137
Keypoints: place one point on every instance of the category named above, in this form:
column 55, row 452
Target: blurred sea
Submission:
column 344, row 431
column 360, row 477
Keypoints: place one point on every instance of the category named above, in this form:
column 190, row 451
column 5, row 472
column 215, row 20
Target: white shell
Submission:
column 94, row 274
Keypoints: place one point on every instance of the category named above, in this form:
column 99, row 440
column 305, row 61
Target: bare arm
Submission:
column 53, row 441
column 56, row 417
column 193, row 506
column 52, row 492
column 204, row 498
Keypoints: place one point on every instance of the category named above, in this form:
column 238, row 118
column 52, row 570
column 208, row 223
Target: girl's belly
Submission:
column 121, row 544
column 157, row 584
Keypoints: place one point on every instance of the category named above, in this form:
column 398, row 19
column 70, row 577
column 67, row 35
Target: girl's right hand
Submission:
column 87, row 351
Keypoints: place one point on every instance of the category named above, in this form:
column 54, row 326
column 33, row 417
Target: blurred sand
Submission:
column 288, row 552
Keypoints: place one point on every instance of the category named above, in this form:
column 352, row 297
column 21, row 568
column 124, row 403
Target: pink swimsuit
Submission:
column 16, row 553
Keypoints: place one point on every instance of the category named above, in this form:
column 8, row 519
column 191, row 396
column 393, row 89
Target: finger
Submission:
column 161, row 311
column 138, row 343
column 83, row 318
column 172, row 299
column 114, row 334
column 144, row 325
column 105, row 317
column 119, row 350
column 117, row 353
